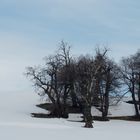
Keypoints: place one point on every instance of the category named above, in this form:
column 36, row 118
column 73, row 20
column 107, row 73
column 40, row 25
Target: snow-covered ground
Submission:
column 17, row 124
column 122, row 109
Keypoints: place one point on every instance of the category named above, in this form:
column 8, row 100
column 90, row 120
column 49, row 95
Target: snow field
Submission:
column 16, row 122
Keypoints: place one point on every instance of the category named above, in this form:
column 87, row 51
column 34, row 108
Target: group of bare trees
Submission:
column 85, row 81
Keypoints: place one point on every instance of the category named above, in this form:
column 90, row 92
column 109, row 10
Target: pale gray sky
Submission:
column 31, row 29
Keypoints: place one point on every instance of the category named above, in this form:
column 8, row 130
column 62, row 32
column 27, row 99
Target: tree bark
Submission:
column 88, row 116
column 139, row 90
column 134, row 100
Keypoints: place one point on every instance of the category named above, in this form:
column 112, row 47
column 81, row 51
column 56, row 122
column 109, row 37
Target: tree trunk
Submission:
column 73, row 97
column 139, row 91
column 64, row 108
column 59, row 111
column 135, row 105
column 106, row 96
column 106, row 106
column 87, row 116
column 134, row 100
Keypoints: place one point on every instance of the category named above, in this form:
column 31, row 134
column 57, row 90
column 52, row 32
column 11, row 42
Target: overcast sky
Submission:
column 31, row 29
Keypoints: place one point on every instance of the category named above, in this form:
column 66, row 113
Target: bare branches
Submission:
column 130, row 70
column 78, row 82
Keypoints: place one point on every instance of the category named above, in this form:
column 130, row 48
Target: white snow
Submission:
column 16, row 123
column 122, row 109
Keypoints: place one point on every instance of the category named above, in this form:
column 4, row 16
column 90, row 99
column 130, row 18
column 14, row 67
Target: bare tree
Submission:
column 88, row 70
column 83, row 84
column 54, row 79
column 107, row 81
column 129, row 75
column 136, row 63
column 66, row 72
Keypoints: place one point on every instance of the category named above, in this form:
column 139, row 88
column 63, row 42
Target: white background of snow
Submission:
column 17, row 124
